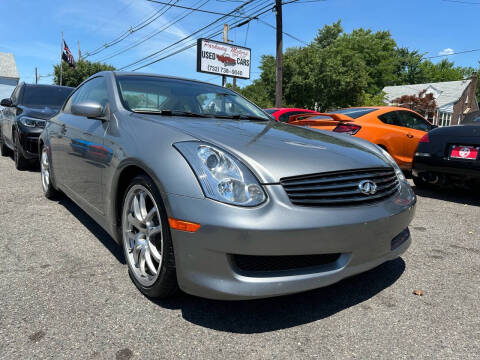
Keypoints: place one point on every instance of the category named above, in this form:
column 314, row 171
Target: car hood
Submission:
column 275, row 150
column 40, row 112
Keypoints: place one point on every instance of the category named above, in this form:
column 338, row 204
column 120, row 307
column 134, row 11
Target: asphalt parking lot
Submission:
column 65, row 293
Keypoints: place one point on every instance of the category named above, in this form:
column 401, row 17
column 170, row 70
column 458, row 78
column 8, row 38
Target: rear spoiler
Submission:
column 307, row 117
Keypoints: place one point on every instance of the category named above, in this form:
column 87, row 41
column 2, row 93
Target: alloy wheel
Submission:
column 45, row 170
column 142, row 235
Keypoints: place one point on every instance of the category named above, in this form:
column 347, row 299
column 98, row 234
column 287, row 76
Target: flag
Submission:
column 67, row 55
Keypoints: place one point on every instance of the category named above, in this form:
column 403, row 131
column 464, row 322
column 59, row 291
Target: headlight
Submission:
column 32, row 122
column 390, row 159
column 222, row 176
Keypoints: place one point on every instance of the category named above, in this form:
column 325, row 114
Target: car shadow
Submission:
column 451, row 194
column 264, row 315
column 107, row 241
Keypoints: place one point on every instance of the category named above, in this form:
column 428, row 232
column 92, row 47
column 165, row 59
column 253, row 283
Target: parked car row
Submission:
column 207, row 193
column 436, row 156
column 23, row 118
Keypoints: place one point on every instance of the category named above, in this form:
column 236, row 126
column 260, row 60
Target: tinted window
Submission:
column 270, row 111
column 14, row 96
column 51, row 96
column 94, row 90
column 390, row 118
column 354, row 113
column 152, row 93
column 413, row 121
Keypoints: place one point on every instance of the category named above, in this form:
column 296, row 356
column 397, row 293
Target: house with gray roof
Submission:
column 8, row 75
column 455, row 99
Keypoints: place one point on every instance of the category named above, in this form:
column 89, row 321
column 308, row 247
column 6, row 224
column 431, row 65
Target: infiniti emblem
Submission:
column 367, row 187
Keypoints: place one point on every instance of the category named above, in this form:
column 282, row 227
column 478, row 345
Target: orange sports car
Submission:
column 397, row 130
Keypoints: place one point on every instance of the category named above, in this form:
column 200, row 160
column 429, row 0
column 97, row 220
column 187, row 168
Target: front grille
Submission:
column 340, row 187
column 30, row 144
column 251, row 263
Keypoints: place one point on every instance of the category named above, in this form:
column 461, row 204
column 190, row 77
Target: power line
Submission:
column 187, row 37
column 284, row 32
column 194, row 43
column 132, row 30
column 148, row 37
column 453, row 53
column 199, row 10
column 462, row 2
column 123, row 8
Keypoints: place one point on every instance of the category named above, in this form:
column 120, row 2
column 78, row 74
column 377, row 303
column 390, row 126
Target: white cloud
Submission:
column 447, row 51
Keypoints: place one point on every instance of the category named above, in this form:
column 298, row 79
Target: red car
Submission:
column 282, row 114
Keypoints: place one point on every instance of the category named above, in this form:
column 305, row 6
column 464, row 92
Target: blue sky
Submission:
column 32, row 30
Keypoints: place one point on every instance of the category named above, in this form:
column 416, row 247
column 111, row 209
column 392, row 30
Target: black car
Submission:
column 24, row 116
column 449, row 156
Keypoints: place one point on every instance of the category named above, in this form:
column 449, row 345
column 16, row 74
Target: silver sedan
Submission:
column 207, row 193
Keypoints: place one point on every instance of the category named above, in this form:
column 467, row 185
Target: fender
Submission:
column 111, row 195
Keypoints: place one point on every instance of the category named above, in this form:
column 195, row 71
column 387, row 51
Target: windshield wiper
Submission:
column 171, row 113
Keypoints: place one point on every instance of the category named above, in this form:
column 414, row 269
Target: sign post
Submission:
column 214, row 57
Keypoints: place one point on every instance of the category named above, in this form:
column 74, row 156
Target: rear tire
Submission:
column 420, row 183
column 20, row 162
column 46, row 175
column 146, row 239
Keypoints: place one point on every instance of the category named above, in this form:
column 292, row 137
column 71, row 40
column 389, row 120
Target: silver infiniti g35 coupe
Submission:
column 207, row 193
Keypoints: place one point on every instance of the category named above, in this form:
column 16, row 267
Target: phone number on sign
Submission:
column 225, row 71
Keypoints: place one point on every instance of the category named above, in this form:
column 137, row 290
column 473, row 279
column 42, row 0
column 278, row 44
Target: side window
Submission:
column 93, row 90
column 15, row 93
column 413, row 121
column 389, row 118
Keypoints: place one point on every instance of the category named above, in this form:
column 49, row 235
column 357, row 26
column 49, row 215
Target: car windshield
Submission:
column 167, row 96
column 47, row 96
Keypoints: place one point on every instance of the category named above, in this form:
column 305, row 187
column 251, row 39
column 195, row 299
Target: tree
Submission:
column 422, row 103
column 445, row 70
column 341, row 69
column 328, row 35
column 408, row 67
column 83, row 70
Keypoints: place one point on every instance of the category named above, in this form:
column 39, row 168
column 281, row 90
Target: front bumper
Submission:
column 28, row 138
column 361, row 235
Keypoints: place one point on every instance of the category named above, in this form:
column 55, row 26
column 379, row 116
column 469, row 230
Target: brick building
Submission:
column 455, row 99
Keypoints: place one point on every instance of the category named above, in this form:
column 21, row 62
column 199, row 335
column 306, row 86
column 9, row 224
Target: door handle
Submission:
column 409, row 136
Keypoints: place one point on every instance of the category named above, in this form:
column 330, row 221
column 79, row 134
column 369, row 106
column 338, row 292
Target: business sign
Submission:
column 219, row 58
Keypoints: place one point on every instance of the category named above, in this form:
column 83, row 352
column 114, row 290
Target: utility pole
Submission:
column 79, row 52
column 279, row 77
column 61, row 60
column 225, row 40
column 36, row 76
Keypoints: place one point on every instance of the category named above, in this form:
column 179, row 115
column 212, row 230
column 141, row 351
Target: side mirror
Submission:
column 6, row 102
column 88, row 109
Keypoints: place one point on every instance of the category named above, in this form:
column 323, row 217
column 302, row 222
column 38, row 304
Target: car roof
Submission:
column 131, row 73
column 47, row 85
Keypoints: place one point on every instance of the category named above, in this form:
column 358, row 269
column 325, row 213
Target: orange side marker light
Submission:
column 183, row 225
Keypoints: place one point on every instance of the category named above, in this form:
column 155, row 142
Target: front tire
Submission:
column 146, row 238
column 4, row 149
column 46, row 175
column 20, row 162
